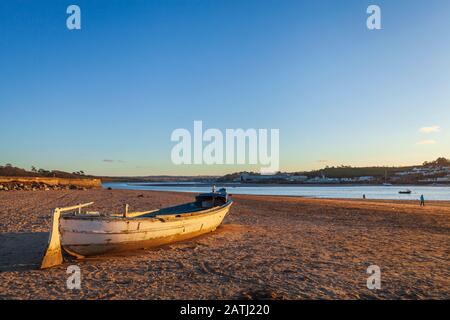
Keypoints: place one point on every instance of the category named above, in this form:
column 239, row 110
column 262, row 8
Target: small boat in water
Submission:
column 386, row 183
column 93, row 233
column 407, row 191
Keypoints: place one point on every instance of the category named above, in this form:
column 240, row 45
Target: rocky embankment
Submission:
column 39, row 183
column 34, row 186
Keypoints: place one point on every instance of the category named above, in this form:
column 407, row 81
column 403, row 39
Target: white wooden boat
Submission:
column 92, row 233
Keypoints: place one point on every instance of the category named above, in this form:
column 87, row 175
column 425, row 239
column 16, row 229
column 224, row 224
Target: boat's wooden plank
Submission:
column 72, row 208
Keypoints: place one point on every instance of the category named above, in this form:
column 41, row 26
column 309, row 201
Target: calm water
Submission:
column 356, row 192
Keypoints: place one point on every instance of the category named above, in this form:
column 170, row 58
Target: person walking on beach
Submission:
column 422, row 201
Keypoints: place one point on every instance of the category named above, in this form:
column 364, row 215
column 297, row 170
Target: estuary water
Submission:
column 319, row 191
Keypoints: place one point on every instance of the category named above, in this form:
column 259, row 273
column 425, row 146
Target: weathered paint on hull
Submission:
column 89, row 237
column 99, row 249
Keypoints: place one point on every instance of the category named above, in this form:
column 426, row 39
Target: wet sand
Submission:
column 268, row 247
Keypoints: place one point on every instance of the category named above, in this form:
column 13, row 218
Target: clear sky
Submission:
column 116, row 89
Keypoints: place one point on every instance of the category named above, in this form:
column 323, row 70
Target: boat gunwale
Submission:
column 161, row 217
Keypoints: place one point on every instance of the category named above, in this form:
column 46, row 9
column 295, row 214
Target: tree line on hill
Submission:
column 439, row 162
column 8, row 170
column 349, row 172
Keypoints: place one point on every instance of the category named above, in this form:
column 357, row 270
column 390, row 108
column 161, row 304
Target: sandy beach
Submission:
column 268, row 247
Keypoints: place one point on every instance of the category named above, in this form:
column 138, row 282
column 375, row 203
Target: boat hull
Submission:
column 97, row 236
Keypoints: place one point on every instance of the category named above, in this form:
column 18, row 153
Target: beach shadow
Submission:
column 22, row 251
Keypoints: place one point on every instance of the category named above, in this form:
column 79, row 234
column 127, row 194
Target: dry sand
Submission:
column 274, row 247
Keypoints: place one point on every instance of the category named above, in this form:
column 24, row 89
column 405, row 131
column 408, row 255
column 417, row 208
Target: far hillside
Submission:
column 437, row 171
column 351, row 172
column 9, row 170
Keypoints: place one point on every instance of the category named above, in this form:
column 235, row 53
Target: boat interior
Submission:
column 202, row 202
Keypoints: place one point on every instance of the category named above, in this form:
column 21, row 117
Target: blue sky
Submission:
column 137, row 70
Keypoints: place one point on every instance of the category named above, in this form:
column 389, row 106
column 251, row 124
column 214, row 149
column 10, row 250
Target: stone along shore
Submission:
column 38, row 183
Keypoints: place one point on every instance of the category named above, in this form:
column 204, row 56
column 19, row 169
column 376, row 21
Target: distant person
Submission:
column 422, row 201
column 364, row 196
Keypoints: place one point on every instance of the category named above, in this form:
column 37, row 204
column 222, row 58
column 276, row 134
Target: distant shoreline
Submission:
column 252, row 185
column 335, row 191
